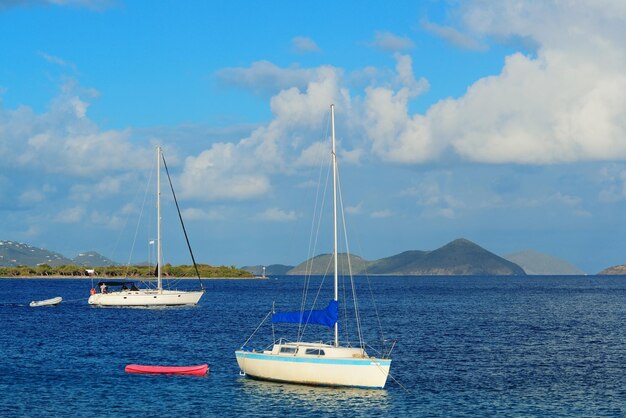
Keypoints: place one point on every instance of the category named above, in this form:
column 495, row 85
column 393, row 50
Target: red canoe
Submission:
column 199, row 370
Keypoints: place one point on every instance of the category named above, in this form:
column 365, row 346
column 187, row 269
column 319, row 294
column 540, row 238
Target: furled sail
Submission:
column 327, row 316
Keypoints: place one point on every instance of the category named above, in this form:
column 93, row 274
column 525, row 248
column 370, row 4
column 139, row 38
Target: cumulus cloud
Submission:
column 388, row 41
column 303, row 44
column 197, row 214
column 31, row 196
column 355, row 210
column 243, row 169
column 396, row 135
column 562, row 105
column 453, row 36
column 264, row 77
column 63, row 140
column 220, row 173
column 278, row 215
column 381, row 214
column 70, row 215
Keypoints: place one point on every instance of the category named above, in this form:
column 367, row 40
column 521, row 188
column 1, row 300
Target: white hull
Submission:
column 340, row 366
column 146, row 298
column 47, row 302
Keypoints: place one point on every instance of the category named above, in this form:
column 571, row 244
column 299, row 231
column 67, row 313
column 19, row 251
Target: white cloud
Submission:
column 278, row 215
column 106, row 187
column 563, row 105
column 108, row 220
column 63, row 140
column 31, row 196
column 351, row 156
column 242, row 170
column 355, row 210
column 314, row 154
column 264, row 77
column 381, row 214
column 613, row 181
column 70, row 215
column 309, row 184
column 197, row 214
column 454, row 36
column 546, row 110
column 303, row 44
column 396, row 136
column 221, row 172
column 388, row 41
column 53, row 60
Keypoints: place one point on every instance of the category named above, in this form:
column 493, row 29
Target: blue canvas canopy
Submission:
column 327, row 316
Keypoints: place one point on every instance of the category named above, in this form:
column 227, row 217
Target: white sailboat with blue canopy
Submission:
column 316, row 363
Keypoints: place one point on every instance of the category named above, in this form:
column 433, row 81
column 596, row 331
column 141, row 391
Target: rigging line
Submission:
column 397, row 381
column 311, row 249
column 345, row 235
column 181, row 221
column 319, row 289
column 309, row 261
column 369, row 284
column 257, row 328
column 119, row 236
column 345, row 307
column 143, row 205
column 317, row 215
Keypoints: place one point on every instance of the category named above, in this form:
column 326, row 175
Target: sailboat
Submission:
column 130, row 295
column 316, row 363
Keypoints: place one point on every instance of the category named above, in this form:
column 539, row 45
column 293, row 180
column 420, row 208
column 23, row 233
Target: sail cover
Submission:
column 327, row 316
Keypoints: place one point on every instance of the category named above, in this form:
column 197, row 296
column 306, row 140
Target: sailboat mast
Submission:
column 332, row 128
column 159, row 252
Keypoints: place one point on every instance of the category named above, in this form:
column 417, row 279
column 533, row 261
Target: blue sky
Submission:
column 500, row 122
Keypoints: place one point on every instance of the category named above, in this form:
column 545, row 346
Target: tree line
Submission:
column 134, row 271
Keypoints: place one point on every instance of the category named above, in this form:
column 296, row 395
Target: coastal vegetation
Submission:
column 133, row 271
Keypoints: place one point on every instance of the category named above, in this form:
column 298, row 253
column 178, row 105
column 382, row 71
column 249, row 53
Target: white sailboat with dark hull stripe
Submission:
column 131, row 296
column 316, row 363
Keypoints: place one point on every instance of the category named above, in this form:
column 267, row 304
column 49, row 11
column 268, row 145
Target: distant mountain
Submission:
column 92, row 259
column 534, row 262
column 614, row 271
column 322, row 264
column 459, row 257
column 18, row 254
column 271, row 270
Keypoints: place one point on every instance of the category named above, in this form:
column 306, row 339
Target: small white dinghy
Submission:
column 47, row 302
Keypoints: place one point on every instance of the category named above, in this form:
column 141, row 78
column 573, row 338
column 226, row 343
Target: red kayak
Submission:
column 199, row 370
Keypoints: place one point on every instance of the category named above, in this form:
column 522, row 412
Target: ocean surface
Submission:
column 469, row 346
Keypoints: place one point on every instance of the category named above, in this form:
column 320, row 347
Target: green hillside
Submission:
column 92, row 259
column 462, row 257
column 396, row 263
column 323, row 264
column 18, row 254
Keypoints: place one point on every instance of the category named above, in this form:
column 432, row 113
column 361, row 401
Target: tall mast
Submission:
column 159, row 253
column 334, row 153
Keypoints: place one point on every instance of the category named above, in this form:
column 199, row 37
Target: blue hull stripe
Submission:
column 314, row 360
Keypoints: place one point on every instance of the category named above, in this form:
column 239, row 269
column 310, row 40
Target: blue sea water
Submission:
column 471, row 346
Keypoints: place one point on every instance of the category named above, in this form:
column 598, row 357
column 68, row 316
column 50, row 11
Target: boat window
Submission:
column 314, row 352
column 289, row 350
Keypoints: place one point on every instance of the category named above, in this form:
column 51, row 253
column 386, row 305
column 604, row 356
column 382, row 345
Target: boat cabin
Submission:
column 107, row 287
